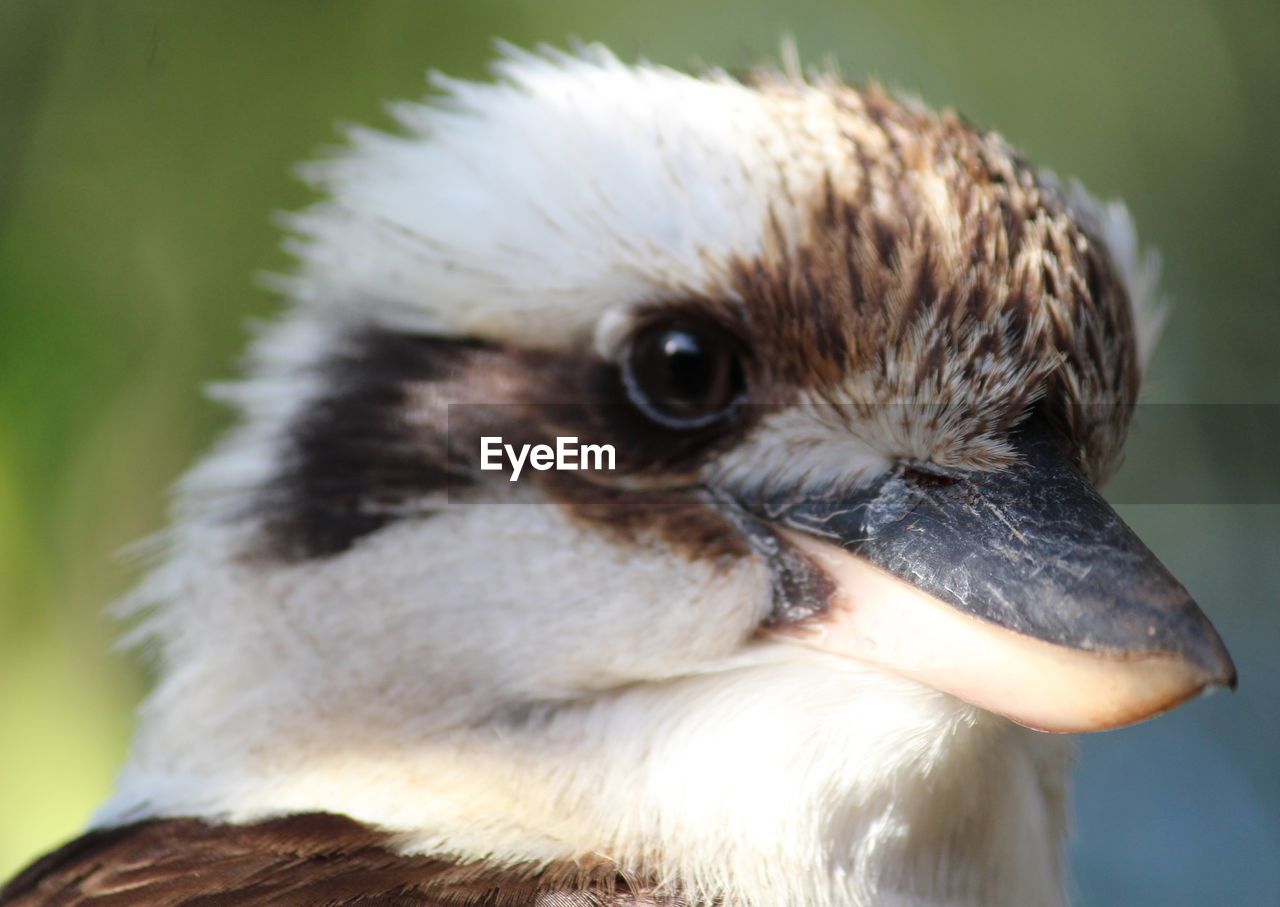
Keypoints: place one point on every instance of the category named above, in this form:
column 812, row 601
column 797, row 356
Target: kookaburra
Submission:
column 862, row 368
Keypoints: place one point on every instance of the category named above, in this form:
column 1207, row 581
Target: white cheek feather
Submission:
column 739, row 780
column 488, row 725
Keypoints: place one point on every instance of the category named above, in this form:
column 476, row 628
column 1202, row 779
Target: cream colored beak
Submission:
column 1020, row 591
column 882, row 620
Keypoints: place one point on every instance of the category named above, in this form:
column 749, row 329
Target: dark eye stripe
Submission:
column 353, row 462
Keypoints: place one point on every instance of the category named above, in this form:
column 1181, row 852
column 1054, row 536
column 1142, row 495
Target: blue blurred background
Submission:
column 144, row 145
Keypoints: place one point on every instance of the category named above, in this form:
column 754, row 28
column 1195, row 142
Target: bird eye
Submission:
column 683, row 376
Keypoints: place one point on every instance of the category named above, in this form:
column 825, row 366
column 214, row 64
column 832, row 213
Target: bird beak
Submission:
column 1020, row 591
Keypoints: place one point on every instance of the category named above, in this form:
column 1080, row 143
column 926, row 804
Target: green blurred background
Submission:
column 144, row 145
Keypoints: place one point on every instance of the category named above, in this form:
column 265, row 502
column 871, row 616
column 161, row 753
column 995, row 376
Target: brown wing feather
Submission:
column 314, row 859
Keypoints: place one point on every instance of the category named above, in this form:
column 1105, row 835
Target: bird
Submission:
column 819, row 634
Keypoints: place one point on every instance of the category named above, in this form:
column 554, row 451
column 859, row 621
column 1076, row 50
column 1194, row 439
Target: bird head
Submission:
column 861, row 369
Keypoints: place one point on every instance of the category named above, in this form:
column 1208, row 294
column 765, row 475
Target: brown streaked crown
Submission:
column 938, row 267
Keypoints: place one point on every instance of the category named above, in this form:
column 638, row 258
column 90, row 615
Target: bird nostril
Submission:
column 920, row 477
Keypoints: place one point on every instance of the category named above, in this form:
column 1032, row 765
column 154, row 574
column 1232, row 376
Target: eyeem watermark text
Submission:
column 567, row 454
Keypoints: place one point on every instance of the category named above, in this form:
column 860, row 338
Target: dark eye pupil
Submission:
column 683, row 377
column 690, row 371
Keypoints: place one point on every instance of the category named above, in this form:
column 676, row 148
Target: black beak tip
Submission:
column 1214, row 659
